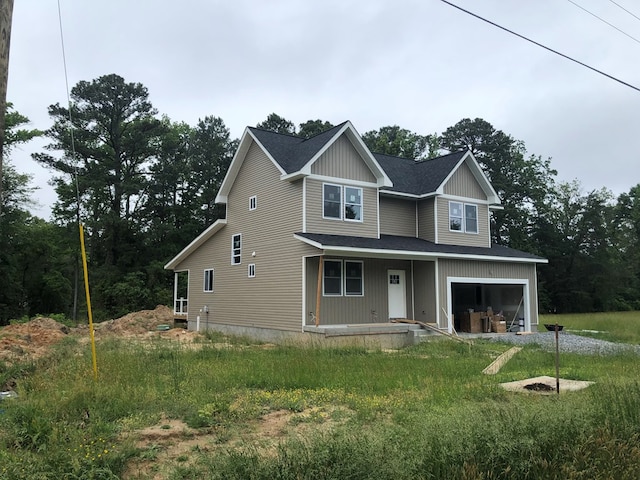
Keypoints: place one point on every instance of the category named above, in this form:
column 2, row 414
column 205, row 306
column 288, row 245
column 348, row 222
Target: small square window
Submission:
column 253, row 202
column 252, row 270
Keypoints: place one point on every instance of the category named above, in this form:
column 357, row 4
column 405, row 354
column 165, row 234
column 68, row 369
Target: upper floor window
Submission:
column 236, row 249
column 208, row 280
column 352, row 203
column 253, row 202
column 342, row 203
column 463, row 217
column 251, row 271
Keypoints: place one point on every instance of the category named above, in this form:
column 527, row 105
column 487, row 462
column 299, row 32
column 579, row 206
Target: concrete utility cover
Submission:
column 544, row 385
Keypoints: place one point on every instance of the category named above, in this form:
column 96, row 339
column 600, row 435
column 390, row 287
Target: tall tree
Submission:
column 522, row 181
column 311, row 128
column 399, row 142
column 115, row 135
column 278, row 124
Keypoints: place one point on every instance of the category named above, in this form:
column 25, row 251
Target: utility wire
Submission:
column 603, row 21
column 66, row 81
column 620, row 6
column 542, row 46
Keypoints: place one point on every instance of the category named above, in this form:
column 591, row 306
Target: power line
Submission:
column 542, row 46
column 620, row 6
column 603, row 21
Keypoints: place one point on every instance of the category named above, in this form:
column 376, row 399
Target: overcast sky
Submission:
column 419, row 64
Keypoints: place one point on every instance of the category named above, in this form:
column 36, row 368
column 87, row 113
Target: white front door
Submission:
column 397, row 294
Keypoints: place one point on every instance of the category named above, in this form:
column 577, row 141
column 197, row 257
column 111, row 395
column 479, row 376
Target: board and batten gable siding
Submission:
column 426, row 219
column 316, row 224
column 463, row 184
column 487, row 270
column 373, row 307
column 273, row 299
column 341, row 160
column 397, row 217
column 446, row 236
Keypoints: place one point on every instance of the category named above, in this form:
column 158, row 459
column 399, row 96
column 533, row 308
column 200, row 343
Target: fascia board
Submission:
column 412, row 196
column 199, row 240
column 236, row 163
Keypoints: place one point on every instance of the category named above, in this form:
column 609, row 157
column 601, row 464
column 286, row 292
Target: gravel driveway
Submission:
column 568, row 342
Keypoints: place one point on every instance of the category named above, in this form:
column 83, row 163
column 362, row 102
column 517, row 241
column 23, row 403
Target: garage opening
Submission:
column 471, row 302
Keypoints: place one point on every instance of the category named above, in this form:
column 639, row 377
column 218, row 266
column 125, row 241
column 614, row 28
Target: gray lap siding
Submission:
column 372, row 307
column 273, row 299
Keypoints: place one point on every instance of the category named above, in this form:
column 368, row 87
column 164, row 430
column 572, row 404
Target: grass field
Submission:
column 612, row 326
column 232, row 409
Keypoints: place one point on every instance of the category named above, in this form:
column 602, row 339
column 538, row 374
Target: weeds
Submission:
column 424, row 412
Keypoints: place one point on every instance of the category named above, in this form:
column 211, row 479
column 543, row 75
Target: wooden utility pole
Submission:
column 6, row 12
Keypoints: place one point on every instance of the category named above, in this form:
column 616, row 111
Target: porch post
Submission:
column 319, row 289
column 175, row 291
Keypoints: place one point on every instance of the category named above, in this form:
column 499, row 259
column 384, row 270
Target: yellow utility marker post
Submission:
column 86, row 290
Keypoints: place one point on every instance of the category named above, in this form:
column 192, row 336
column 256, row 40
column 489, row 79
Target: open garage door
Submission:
column 510, row 297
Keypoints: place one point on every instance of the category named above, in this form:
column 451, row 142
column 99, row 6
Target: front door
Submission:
column 397, row 294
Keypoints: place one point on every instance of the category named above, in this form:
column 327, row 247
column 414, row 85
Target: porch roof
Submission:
column 394, row 246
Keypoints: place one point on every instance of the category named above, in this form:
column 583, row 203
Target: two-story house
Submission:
column 322, row 231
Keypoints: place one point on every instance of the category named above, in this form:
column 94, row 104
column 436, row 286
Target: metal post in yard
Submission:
column 557, row 361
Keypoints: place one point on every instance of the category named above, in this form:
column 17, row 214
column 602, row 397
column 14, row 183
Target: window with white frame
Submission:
column 343, row 278
column 332, row 201
column 341, row 202
column 353, row 204
column 332, row 278
column 353, row 282
column 251, row 271
column 208, row 280
column 253, row 202
column 236, row 249
column 470, row 218
column 463, row 217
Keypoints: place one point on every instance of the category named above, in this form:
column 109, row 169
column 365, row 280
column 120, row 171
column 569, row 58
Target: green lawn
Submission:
column 613, row 326
column 422, row 412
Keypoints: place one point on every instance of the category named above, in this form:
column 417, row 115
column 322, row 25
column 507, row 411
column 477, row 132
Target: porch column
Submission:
column 175, row 291
column 319, row 288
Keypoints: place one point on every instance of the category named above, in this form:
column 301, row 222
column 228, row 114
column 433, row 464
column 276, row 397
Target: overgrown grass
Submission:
column 621, row 327
column 423, row 412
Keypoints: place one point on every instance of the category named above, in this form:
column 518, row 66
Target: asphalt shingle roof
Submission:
column 412, row 244
column 407, row 175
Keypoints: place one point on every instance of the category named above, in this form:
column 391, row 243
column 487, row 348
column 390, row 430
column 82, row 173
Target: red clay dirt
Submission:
column 29, row 341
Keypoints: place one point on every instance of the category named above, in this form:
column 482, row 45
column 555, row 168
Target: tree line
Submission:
column 144, row 186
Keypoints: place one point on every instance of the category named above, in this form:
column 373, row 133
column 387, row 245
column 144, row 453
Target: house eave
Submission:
column 412, row 254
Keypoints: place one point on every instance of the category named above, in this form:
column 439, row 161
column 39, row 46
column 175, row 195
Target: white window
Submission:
column 471, row 218
column 341, row 203
column 251, row 271
column 463, row 217
column 353, row 204
column 236, row 249
column 332, row 201
column 339, row 277
column 332, row 278
column 208, row 280
column 253, row 202
column 455, row 216
column 353, row 282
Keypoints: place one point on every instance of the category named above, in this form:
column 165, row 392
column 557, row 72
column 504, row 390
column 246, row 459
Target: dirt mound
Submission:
column 30, row 340
column 137, row 323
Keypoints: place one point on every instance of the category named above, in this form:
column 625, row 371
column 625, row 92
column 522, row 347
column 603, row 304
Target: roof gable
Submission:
column 428, row 177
